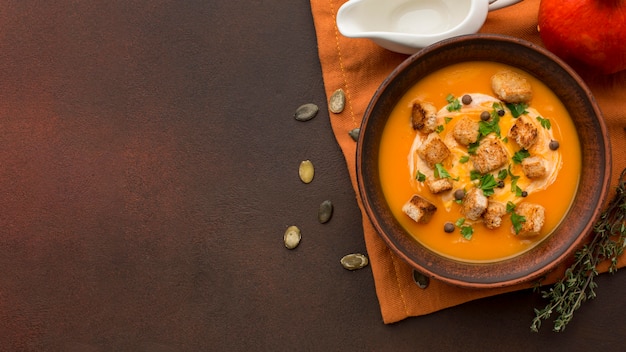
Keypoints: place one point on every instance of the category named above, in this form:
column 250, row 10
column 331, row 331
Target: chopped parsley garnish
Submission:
column 517, row 109
column 439, row 129
column 487, row 184
column 498, row 110
column 471, row 149
column 467, row 232
column 453, row 103
column 518, row 221
column 447, row 119
column 502, row 174
column 441, row 172
column 510, row 206
column 420, row 176
column 514, row 187
column 545, row 123
column 520, row 155
column 475, row 175
column 464, row 159
column 459, row 222
column 486, row 127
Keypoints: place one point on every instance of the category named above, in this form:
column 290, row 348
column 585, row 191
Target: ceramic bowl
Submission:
column 593, row 185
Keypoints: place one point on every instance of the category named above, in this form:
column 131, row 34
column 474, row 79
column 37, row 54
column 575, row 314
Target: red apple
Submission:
column 588, row 32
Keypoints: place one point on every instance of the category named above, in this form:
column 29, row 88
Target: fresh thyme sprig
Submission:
column 577, row 285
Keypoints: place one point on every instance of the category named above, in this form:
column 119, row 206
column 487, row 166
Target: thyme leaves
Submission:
column 578, row 283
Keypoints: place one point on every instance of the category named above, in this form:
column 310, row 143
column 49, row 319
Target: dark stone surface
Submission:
column 149, row 161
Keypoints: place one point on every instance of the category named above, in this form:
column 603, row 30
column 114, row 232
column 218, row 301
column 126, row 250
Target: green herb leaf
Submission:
column 447, row 119
column 464, row 159
column 517, row 109
column 467, row 232
column 441, row 172
column 518, row 221
column 545, row 123
column 487, row 184
column 520, row 155
column 487, row 127
column 453, row 103
column 420, row 176
column 439, row 128
column 510, row 206
column 502, row 174
column 471, row 148
column 475, row 175
column 459, row 222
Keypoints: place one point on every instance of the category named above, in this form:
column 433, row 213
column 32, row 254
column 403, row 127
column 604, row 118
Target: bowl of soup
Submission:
column 483, row 161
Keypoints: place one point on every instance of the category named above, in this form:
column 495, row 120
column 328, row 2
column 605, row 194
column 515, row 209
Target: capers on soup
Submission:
column 473, row 145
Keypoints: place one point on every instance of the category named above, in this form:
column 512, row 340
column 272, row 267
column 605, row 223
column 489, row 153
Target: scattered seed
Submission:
column 306, row 171
column 501, row 112
column 466, row 99
column 459, row 194
column 554, row 145
column 485, row 115
column 500, row 184
column 422, row 281
column 355, row 134
column 354, row 261
column 306, row 112
column 337, row 101
column 524, row 194
column 325, row 212
column 292, row 237
column 448, row 227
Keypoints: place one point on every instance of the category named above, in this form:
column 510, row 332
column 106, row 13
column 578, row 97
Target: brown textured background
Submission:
column 148, row 163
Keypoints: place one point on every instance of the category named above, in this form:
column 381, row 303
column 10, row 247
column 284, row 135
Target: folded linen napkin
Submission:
column 359, row 66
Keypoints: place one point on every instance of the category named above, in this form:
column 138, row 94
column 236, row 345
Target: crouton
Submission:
column 419, row 209
column 534, row 167
column 474, row 204
column 534, row 218
column 433, row 150
column 424, row 117
column 524, row 132
column 492, row 217
column 511, row 87
column 466, row 131
column 490, row 155
column 438, row 185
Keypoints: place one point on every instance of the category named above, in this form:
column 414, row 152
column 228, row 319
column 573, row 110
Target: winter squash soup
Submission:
column 479, row 161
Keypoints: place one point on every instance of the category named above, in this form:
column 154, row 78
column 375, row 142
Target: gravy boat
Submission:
column 405, row 26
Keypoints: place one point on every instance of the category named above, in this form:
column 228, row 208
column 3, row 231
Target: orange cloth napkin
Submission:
column 358, row 66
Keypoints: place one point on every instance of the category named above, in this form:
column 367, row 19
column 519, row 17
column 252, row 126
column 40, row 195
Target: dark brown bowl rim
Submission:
column 525, row 267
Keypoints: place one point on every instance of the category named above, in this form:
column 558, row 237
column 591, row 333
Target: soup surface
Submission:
column 403, row 172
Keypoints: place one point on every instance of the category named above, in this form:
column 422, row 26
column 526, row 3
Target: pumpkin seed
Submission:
column 337, row 101
column 306, row 171
column 325, row 212
column 422, row 281
column 306, row 112
column 292, row 237
column 354, row 261
column 355, row 134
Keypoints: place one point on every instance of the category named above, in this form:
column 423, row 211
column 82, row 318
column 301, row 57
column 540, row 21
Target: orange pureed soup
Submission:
column 399, row 185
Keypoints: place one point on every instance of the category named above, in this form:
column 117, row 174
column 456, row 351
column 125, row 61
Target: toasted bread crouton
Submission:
column 534, row 167
column 492, row 217
column 438, row 185
column 424, row 117
column 433, row 150
column 474, row 204
column 466, row 131
column 490, row 155
column 419, row 209
column 534, row 215
column 524, row 132
column 511, row 87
